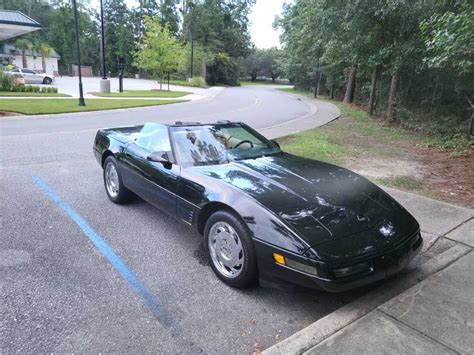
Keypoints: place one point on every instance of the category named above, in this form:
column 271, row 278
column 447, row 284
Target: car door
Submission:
column 30, row 76
column 155, row 182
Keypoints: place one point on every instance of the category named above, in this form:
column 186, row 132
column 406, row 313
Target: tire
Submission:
column 47, row 81
column 225, row 251
column 114, row 188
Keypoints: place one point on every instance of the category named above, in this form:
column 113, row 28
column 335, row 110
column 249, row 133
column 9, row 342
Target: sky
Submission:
column 261, row 30
column 262, row 17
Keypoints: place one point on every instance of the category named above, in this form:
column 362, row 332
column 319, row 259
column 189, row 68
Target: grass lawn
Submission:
column 31, row 94
column 39, row 106
column 263, row 82
column 298, row 92
column 144, row 93
column 388, row 155
column 183, row 83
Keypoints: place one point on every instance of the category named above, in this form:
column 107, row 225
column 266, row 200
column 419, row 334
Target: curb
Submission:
column 325, row 327
column 288, row 127
column 67, row 114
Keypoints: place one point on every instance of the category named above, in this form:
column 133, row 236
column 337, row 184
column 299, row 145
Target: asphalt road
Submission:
column 60, row 293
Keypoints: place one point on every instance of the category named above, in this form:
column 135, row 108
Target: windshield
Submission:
column 219, row 144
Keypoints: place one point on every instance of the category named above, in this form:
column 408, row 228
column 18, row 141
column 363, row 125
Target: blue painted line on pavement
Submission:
column 151, row 300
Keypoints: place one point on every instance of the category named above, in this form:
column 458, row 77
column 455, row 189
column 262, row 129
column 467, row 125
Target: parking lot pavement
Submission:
column 60, row 292
column 69, row 85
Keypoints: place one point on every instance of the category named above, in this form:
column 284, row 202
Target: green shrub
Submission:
column 44, row 89
column 6, row 82
column 36, row 89
column 197, row 81
column 28, row 88
column 18, row 88
column 52, row 90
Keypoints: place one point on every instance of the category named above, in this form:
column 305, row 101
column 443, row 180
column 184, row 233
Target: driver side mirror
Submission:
column 275, row 142
column 159, row 157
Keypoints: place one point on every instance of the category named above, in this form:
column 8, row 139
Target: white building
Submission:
column 33, row 60
column 14, row 24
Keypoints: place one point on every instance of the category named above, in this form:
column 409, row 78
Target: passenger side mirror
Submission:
column 159, row 157
column 275, row 142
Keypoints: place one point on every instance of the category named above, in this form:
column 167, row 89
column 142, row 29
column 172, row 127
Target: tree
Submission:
column 270, row 63
column 449, row 41
column 222, row 28
column 409, row 60
column 45, row 50
column 23, row 45
column 251, row 65
column 159, row 51
column 60, row 17
column 119, row 39
column 169, row 15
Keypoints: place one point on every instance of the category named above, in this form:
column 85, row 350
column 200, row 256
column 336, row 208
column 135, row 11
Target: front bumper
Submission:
column 382, row 265
column 97, row 155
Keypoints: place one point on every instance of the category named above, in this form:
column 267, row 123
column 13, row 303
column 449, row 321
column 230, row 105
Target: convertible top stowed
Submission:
column 264, row 213
column 184, row 123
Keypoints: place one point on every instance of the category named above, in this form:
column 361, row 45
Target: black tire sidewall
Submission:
column 249, row 273
column 124, row 194
column 47, row 81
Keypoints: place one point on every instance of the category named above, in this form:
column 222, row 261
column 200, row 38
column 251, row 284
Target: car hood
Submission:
column 320, row 201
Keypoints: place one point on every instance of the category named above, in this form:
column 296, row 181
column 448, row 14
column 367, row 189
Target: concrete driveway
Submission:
column 69, row 85
column 59, row 292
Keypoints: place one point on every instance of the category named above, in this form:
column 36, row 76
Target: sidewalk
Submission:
column 429, row 308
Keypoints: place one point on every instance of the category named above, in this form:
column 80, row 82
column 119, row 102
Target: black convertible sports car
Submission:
column 263, row 212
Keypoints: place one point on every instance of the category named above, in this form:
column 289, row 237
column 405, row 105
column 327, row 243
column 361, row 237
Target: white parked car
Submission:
column 32, row 77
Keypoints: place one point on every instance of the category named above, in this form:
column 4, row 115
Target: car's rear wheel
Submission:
column 47, row 81
column 230, row 249
column 113, row 183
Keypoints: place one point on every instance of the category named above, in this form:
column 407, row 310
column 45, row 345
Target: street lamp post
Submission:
column 192, row 57
column 104, row 83
column 76, row 27
column 102, row 42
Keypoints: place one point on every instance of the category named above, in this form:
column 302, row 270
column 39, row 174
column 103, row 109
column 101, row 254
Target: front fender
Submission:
column 264, row 225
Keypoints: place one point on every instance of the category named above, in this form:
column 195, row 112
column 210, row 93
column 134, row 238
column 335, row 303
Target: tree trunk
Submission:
column 273, row 78
column 43, row 62
column 408, row 89
column 203, row 69
column 392, row 109
column 318, row 89
column 23, row 59
column 331, row 92
column 349, row 95
column 379, row 95
column 253, row 77
column 373, row 90
column 470, row 135
column 161, row 81
column 471, row 126
column 433, row 96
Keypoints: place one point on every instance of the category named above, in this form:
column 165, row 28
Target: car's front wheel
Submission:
column 230, row 249
column 114, row 187
column 47, row 81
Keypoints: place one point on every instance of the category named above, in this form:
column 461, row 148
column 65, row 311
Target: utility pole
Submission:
column 120, row 66
column 76, row 27
column 192, row 57
column 104, row 82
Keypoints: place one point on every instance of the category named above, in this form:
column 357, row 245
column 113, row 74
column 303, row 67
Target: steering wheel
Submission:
column 242, row 142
